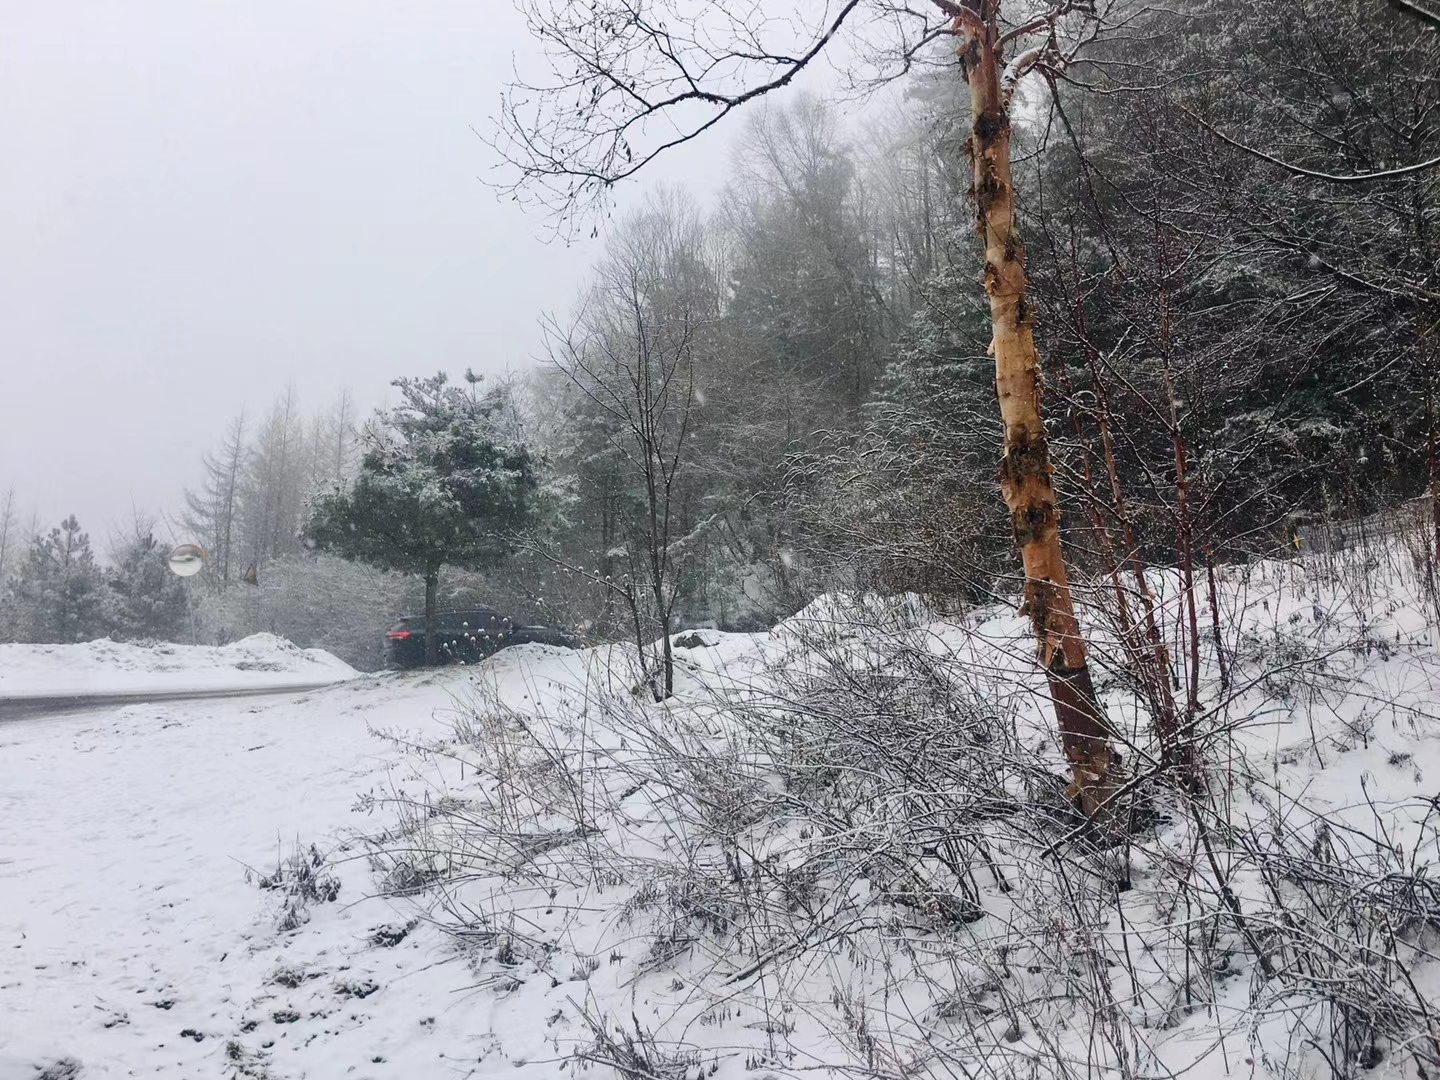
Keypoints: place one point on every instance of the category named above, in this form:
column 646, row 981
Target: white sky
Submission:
column 204, row 200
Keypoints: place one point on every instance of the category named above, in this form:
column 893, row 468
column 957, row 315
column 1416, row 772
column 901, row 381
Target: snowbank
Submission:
column 104, row 667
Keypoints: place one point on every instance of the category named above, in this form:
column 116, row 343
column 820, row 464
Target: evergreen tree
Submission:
column 439, row 485
column 146, row 600
column 804, row 306
column 907, row 504
column 58, row 594
column 1190, row 247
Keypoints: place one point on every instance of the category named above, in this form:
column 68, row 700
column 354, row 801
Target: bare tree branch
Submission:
column 1414, row 9
column 639, row 89
column 633, row 79
column 1334, row 178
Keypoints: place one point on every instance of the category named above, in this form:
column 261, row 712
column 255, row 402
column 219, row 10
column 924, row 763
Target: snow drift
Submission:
column 105, row 667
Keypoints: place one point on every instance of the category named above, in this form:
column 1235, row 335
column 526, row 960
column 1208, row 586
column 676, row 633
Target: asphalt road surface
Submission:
column 28, row 707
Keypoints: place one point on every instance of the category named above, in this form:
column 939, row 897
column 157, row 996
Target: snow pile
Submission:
column 839, row 850
column 105, row 667
column 842, row 849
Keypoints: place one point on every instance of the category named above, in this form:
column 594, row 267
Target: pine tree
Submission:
column 804, row 303
column 58, row 594
column 146, row 600
column 908, row 504
column 439, row 485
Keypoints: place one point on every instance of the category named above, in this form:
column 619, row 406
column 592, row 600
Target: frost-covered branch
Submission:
column 1314, row 174
column 1416, row 10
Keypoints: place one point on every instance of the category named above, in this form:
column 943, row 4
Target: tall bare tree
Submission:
column 211, row 511
column 8, row 532
column 632, row 356
column 273, row 485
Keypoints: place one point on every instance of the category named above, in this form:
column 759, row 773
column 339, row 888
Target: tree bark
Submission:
column 1026, row 480
column 432, row 618
column 1432, row 457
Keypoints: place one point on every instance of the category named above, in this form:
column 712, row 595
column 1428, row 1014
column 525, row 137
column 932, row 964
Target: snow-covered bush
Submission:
column 846, row 844
column 299, row 879
column 316, row 601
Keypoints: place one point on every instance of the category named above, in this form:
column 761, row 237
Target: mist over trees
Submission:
column 250, row 505
column 1171, row 248
column 847, row 415
column 1229, row 229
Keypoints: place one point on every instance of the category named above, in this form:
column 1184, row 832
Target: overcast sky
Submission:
column 205, row 201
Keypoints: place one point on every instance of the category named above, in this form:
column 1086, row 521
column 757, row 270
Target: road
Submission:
column 28, row 707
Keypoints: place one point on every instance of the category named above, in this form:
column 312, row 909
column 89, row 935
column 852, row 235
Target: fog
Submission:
column 205, row 203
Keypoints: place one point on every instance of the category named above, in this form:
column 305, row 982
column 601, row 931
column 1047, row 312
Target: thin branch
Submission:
column 537, row 157
column 1334, row 178
column 1415, row 11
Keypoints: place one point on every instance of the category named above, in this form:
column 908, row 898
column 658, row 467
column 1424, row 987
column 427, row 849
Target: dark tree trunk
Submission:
column 432, row 618
column 667, row 657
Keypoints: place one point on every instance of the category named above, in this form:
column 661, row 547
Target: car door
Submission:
column 491, row 630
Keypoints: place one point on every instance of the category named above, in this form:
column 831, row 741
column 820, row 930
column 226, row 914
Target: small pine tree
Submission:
column 58, row 593
column 146, row 599
column 440, row 484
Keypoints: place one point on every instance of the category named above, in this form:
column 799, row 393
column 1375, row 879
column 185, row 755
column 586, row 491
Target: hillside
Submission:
column 839, row 850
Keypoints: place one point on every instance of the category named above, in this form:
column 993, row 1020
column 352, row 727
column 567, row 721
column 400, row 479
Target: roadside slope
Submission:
column 95, row 668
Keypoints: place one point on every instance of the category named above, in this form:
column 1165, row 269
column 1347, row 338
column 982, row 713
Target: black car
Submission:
column 465, row 637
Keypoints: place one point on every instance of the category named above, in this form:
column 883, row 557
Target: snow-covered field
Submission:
column 130, row 913
column 543, row 873
column 112, row 667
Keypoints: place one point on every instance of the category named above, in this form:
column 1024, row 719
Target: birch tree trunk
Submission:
column 1026, row 480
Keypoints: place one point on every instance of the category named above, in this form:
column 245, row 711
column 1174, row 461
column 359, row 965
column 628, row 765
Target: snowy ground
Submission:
column 112, row 667
column 564, row 892
column 126, row 916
